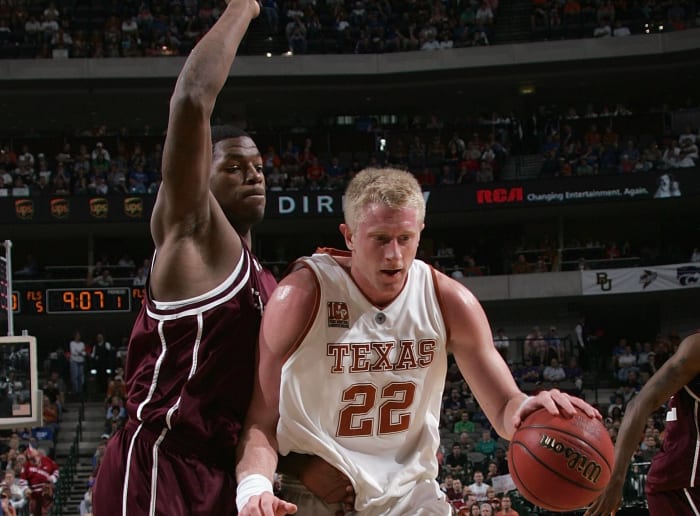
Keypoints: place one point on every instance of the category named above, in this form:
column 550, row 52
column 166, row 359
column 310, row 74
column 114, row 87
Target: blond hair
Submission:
column 391, row 187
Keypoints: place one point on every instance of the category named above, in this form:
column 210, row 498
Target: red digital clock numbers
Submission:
column 88, row 300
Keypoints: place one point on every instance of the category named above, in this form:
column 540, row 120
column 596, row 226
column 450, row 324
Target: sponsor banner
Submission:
column 640, row 279
column 76, row 208
column 453, row 198
column 575, row 190
column 511, row 194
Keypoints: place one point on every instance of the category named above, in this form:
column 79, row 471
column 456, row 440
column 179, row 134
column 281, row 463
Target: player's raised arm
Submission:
column 678, row 371
column 184, row 201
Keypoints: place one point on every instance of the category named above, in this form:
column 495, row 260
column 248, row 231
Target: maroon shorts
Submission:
column 129, row 483
column 679, row 502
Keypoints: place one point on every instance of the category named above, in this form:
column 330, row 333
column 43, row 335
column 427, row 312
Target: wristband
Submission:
column 250, row 486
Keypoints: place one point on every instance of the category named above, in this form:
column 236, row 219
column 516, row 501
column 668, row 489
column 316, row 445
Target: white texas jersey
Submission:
column 363, row 389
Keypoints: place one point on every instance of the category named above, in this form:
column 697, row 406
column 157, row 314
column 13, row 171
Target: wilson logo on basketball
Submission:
column 589, row 469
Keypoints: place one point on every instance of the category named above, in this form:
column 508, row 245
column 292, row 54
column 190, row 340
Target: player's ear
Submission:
column 347, row 234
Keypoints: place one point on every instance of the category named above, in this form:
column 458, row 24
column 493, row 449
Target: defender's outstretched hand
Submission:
column 608, row 502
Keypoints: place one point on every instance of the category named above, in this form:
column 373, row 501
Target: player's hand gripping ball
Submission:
column 560, row 464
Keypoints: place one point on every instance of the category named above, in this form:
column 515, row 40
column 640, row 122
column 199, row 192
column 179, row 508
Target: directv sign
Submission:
column 307, row 204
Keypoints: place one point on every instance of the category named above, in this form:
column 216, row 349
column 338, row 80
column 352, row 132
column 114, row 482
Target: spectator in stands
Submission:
column 506, row 507
column 493, row 500
column 41, row 473
column 491, row 471
column 527, row 373
column 688, row 156
column 535, row 346
column 104, row 279
column 466, row 442
column 501, row 460
column 77, row 363
column 115, row 421
column 554, row 345
column 464, row 425
column 617, row 406
column 540, row 265
column 554, row 372
column 86, row 503
column 103, row 361
column 6, row 502
column 55, row 389
column 455, row 401
column 521, row 265
column 18, row 490
column 486, row 445
column 625, row 363
column 574, row 374
column 296, row 33
column 455, row 494
column 502, row 343
column 621, row 29
column 271, row 159
column 478, row 487
column 456, row 463
column 116, row 388
column 50, row 414
column 648, row 448
column 140, row 276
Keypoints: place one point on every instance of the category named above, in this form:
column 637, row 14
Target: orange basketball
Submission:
column 560, row 464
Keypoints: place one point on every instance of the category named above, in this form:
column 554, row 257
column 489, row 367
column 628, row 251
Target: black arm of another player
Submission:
column 183, row 200
column 678, row 370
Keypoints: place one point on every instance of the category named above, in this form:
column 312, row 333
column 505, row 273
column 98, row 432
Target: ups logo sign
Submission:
column 133, row 207
column 24, row 209
column 60, row 208
column 99, row 208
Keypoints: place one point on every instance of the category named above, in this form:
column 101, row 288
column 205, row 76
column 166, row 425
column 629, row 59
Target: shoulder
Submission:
column 452, row 291
column 300, row 286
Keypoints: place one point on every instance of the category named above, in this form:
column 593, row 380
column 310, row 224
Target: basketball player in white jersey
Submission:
column 352, row 363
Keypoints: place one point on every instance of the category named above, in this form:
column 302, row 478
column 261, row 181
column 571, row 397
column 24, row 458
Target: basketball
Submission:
column 560, row 464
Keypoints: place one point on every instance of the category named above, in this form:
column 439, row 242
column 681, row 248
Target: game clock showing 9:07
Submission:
column 88, row 300
column 67, row 300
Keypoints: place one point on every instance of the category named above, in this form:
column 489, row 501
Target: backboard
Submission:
column 20, row 395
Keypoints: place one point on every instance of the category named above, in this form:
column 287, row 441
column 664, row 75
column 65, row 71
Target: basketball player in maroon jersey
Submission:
column 673, row 483
column 191, row 356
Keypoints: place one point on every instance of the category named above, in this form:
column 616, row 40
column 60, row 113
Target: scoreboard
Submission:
column 69, row 300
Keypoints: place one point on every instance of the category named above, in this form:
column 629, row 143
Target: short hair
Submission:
column 225, row 132
column 389, row 186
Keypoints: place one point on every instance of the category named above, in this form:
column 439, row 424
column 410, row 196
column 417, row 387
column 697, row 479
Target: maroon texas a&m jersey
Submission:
column 676, row 465
column 190, row 364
